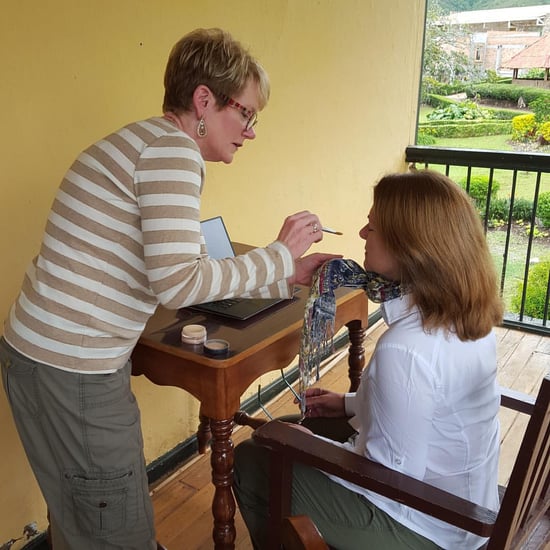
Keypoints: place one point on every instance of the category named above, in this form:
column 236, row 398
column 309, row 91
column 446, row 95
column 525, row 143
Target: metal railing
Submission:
column 517, row 243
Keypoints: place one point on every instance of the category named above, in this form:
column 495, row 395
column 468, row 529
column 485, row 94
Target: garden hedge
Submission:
column 465, row 128
column 506, row 92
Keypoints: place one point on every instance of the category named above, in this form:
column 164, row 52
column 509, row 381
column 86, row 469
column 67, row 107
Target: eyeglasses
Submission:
column 250, row 116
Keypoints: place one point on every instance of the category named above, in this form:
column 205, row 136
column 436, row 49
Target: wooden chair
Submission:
column 300, row 533
column 524, row 501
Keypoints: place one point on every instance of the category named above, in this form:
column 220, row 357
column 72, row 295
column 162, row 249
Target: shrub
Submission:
column 499, row 209
column 465, row 128
column 524, row 127
column 535, row 296
column 492, row 77
column 522, row 209
column 543, row 208
column 541, row 108
column 504, row 114
column 436, row 101
column 441, row 102
column 425, row 137
column 543, row 132
column 506, row 92
column 479, row 187
column 534, row 74
column 465, row 110
column 431, row 86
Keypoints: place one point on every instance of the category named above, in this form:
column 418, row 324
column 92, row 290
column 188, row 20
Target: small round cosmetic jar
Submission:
column 216, row 348
column 193, row 334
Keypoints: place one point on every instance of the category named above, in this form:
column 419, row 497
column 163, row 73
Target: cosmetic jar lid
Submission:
column 216, row 348
column 193, row 334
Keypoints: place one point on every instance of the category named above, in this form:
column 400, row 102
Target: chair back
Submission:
column 526, row 499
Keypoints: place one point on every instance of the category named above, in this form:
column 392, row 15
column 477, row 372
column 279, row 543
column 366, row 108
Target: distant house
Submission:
column 526, row 19
column 494, row 37
column 535, row 56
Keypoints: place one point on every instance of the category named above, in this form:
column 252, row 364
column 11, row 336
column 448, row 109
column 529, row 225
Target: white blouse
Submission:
column 428, row 406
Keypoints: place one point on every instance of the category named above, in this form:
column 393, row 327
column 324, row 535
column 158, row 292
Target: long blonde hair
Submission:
column 432, row 228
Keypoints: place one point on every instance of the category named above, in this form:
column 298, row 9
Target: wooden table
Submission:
column 270, row 341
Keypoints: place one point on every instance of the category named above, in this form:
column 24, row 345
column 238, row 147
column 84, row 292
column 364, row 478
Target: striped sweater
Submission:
column 123, row 236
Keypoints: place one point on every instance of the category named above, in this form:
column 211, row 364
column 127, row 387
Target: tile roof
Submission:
column 535, row 56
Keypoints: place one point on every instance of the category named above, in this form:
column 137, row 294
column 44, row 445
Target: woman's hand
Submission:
column 305, row 267
column 300, row 231
column 328, row 404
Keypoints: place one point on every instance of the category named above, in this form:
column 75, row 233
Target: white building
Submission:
column 495, row 36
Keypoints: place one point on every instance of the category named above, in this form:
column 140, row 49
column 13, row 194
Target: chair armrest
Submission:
column 516, row 400
column 301, row 532
column 298, row 446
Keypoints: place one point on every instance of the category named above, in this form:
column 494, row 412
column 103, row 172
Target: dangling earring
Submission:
column 201, row 128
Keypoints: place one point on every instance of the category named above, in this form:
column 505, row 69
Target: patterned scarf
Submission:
column 320, row 310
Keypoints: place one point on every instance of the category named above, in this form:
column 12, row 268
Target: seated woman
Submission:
column 428, row 400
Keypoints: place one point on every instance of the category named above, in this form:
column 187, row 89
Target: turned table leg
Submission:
column 356, row 358
column 223, row 505
column 203, row 433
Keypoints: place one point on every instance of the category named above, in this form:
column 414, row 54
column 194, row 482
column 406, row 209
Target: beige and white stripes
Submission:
column 123, row 236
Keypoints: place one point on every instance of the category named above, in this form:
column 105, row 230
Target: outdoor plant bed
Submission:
column 521, row 231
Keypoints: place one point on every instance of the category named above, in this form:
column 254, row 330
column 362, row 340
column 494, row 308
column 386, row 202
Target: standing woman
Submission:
column 122, row 237
column 428, row 401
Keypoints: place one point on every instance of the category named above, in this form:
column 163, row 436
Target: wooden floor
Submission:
column 182, row 502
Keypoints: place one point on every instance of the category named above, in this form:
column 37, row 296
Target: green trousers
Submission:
column 82, row 437
column 347, row 520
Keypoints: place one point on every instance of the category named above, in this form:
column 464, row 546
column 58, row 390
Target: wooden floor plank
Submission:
column 507, row 341
column 182, row 502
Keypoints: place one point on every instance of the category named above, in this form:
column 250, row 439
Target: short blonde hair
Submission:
column 432, row 228
column 211, row 57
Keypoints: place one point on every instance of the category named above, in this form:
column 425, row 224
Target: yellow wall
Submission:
column 344, row 78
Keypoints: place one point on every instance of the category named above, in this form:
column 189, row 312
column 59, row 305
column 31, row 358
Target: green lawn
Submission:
column 500, row 143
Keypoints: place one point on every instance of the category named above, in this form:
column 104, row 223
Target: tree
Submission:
column 458, row 5
column 443, row 61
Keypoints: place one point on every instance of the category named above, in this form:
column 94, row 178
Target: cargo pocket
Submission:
column 95, row 505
